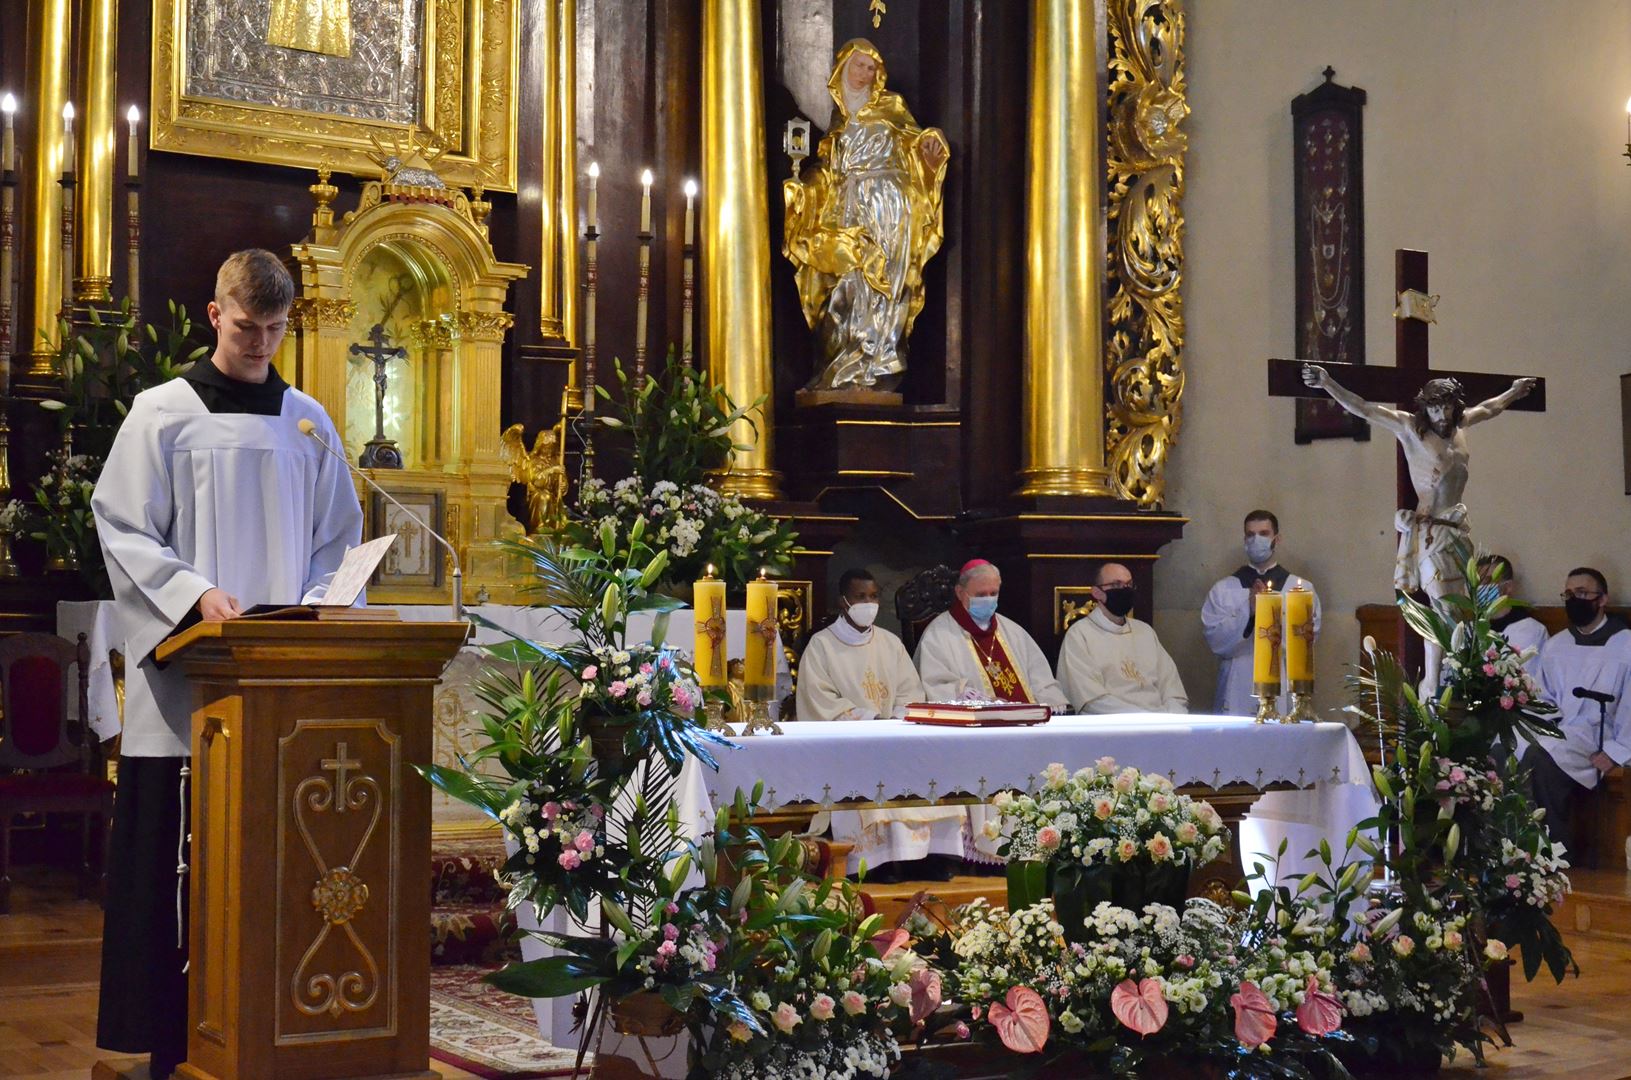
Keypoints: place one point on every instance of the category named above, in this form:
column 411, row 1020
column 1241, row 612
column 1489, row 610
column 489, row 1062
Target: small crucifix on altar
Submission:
column 1429, row 423
column 380, row 452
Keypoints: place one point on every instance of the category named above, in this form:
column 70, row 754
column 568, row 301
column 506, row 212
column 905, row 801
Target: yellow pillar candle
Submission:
column 1267, row 637
column 1299, row 635
column 759, row 667
column 708, row 598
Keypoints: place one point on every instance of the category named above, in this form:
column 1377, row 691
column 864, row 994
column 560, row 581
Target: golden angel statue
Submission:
column 543, row 471
column 862, row 222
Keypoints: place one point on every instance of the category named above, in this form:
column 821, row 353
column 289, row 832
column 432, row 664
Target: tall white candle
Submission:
column 68, row 137
column 645, row 201
column 594, row 186
column 690, row 213
column 134, row 116
column 8, row 143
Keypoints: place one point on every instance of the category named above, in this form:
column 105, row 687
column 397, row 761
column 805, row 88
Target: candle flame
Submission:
column 68, row 111
column 690, row 189
column 1628, row 105
column 8, row 104
column 134, row 116
column 645, row 178
column 710, row 571
column 594, row 170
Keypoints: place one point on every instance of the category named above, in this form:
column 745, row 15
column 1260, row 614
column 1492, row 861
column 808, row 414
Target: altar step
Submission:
column 1600, row 904
column 891, row 900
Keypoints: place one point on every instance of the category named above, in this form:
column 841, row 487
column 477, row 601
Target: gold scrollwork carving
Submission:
column 338, row 894
column 1145, row 164
column 312, row 313
column 485, row 325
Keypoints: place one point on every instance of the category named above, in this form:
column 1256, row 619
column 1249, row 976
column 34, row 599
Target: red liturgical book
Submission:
column 977, row 713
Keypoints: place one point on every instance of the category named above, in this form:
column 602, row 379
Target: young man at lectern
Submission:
column 211, row 501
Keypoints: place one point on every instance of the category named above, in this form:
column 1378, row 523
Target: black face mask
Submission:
column 1581, row 612
column 1118, row 602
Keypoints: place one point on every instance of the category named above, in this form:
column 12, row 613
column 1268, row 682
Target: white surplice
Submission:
column 1225, row 617
column 192, row 500
column 952, row 670
column 1107, row 668
column 1566, row 664
column 850, row 674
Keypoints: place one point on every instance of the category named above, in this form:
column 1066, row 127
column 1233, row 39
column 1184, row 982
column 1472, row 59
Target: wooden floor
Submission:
column 49, row 957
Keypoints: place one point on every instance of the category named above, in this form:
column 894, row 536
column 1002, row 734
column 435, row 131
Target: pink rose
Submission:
column 619, row 688
column 822, row 1007
column 1506, row 701
column 1404, row 945
column 1188, row 833
column 1489, row 669
column 1495, row 950
column 643, row 699
column 1047, row 838
column 1513, row 881
column 1360, row 953
column 645, row 669
column 552, row 810
column 590, row 672
column 1104, row 767
column 854, row 1003
column 962, row 1030
column 1452, row 939
column 584, row 842
column 786, row 1018
column 739, row 1031
column 1103, row 807
column 1159, row 847
column 568, row 859
column 1160, row 803
column 901, row 994
column 1127, row 850
column 667, row 949
column 670, row 931
column 1523, row 698
column 598, row 812
column 671, row 908
column 1185, row 961
column 1457, row 775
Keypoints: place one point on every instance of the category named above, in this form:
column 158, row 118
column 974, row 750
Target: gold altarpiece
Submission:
column 415, row 260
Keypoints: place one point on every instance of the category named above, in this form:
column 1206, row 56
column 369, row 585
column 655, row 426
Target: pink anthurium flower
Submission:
column 1254, row 1016
column 888, row 941
column 1141, row 1006
column 1023, row 1022
column 1320, row 1013
column 925, row 983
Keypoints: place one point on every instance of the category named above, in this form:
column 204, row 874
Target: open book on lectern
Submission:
column 343, row 589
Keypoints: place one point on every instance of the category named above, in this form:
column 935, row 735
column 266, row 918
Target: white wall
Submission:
column 1494, row 136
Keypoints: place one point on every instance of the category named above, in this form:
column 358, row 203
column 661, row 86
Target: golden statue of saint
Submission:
column 862, row 222
column 319, row 26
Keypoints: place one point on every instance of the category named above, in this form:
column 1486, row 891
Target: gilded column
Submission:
column 48, row 48
column 736, row 234
column 99, row 37
column 1064, row 342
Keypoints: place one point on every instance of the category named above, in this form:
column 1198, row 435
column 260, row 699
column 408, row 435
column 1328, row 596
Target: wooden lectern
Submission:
column 310, row 866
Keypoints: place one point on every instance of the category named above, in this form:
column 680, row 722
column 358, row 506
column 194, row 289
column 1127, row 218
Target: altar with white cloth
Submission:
column 1303, row 781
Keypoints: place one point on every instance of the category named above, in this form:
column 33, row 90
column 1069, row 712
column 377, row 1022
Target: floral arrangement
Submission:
column 678, row 428
column 1205, row 982
column 695, row 524
column 1107, row 814
column 774, row 974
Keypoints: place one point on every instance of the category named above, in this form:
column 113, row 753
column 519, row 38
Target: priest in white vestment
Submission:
column 971, row 652
column 1111, row 662
column 211, row 501
column 856, row 670
column 1229, row 615
column 1497, row 578
column 1593, row 654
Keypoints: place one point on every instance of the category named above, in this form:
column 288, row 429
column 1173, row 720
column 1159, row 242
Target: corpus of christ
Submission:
column 749, row 539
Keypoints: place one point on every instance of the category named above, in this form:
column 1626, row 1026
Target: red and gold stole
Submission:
column 1003, row 677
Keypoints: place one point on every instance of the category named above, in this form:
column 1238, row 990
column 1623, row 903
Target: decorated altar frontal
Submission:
column 1310, row 780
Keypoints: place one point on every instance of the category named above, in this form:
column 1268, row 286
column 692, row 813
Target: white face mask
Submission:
column 863, row 615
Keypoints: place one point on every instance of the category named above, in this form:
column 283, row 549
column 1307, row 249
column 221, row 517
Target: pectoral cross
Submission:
column 380, row 453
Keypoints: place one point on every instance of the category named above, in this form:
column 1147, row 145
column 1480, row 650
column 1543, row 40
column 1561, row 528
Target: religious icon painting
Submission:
column 298, row 82
column 416, row 561
column 1330, row 245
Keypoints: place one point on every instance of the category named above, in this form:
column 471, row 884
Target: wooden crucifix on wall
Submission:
column 1432, row 458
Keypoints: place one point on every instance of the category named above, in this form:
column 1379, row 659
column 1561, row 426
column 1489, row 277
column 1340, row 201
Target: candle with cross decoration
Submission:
column 708, row 601
column 759, row 659
column 1266, row 655
column 1299, row 646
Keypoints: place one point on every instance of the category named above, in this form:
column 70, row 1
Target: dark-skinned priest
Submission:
column 211, row 501
column 971, row 652
column 857, row 670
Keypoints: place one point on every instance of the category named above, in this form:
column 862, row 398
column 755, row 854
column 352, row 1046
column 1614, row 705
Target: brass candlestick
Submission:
column 1302, row 703
column 756, row 712
column 1268, row 701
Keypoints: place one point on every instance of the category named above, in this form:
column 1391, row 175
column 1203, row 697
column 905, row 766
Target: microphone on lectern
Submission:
column 1594, row 695
column 308, row 428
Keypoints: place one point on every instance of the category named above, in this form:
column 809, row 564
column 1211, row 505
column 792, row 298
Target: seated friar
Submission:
column 1111, row 662
column 857, row 670
column 972, row 653
column 1586, row 672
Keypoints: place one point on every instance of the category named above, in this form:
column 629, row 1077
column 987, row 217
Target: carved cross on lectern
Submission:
column 380, row 453
column 1401, row 383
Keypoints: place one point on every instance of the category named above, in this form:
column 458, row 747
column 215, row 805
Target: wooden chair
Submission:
column 918, row 602
column 47, row 744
